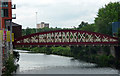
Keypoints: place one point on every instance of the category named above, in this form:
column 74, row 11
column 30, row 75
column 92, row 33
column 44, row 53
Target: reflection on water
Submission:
column 37, row 63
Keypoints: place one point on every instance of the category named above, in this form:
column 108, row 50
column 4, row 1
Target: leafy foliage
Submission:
column 83, row 24
column 106, row 15
column 10, row 67
column 89, row 27
column 28, row 31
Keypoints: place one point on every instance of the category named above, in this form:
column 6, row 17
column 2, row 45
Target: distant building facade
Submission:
column 43, row 25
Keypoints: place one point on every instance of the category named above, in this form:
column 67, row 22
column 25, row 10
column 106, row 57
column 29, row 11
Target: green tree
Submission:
column 28, row 31
column 106, row 15
column 82, row 24
column 89, row 27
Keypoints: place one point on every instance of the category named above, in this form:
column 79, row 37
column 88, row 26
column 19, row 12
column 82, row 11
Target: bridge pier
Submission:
column 115, row 52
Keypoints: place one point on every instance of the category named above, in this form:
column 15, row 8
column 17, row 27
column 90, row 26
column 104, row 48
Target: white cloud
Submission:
column 59, row 13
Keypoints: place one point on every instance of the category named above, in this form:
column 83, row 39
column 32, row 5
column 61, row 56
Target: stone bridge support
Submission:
column 115, row 51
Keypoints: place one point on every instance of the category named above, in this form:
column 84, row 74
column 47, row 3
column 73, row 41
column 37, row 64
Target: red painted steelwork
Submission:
column 66, row 37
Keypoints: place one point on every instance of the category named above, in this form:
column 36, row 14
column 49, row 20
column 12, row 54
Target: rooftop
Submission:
column 13, row 24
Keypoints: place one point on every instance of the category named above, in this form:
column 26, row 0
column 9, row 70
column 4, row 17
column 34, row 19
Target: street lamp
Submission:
column 11, row 46
column 36, row 21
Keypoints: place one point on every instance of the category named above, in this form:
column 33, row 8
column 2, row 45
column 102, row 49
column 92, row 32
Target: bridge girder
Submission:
column 67, row 37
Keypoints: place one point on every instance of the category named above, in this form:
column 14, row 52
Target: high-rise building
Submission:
column 43, row 25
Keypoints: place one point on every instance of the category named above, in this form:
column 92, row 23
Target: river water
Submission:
column 37, row 63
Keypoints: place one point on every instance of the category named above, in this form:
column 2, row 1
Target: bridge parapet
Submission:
column 67, row 37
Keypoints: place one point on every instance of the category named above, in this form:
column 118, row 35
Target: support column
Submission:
column 115, row 51
column 112, row 51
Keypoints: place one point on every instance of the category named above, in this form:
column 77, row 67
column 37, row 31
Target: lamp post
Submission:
column 36, row 22
column 11, row 46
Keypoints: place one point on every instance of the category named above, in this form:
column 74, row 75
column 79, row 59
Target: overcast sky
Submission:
column 58, row 13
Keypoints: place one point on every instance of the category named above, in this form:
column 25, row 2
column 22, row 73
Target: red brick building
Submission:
column 6, row 12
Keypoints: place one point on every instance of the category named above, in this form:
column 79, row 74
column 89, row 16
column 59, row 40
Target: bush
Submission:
column 10, row 67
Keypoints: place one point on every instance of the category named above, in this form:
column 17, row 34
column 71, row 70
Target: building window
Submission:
column 4, row 12
column 4, row 4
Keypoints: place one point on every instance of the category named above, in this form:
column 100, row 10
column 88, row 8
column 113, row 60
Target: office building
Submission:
column 42, row 25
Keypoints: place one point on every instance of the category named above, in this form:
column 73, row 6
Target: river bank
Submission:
column 39, row 63
column 102, row 60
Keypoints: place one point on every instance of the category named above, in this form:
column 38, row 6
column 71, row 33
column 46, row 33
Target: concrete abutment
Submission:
column 115, row 52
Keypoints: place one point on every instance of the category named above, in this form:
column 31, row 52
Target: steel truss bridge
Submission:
column 67, row 38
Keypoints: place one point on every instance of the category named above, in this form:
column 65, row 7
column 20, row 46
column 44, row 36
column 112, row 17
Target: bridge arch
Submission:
column 66, row 37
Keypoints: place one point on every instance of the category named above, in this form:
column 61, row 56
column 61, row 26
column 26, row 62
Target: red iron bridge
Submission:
column 67, row 38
